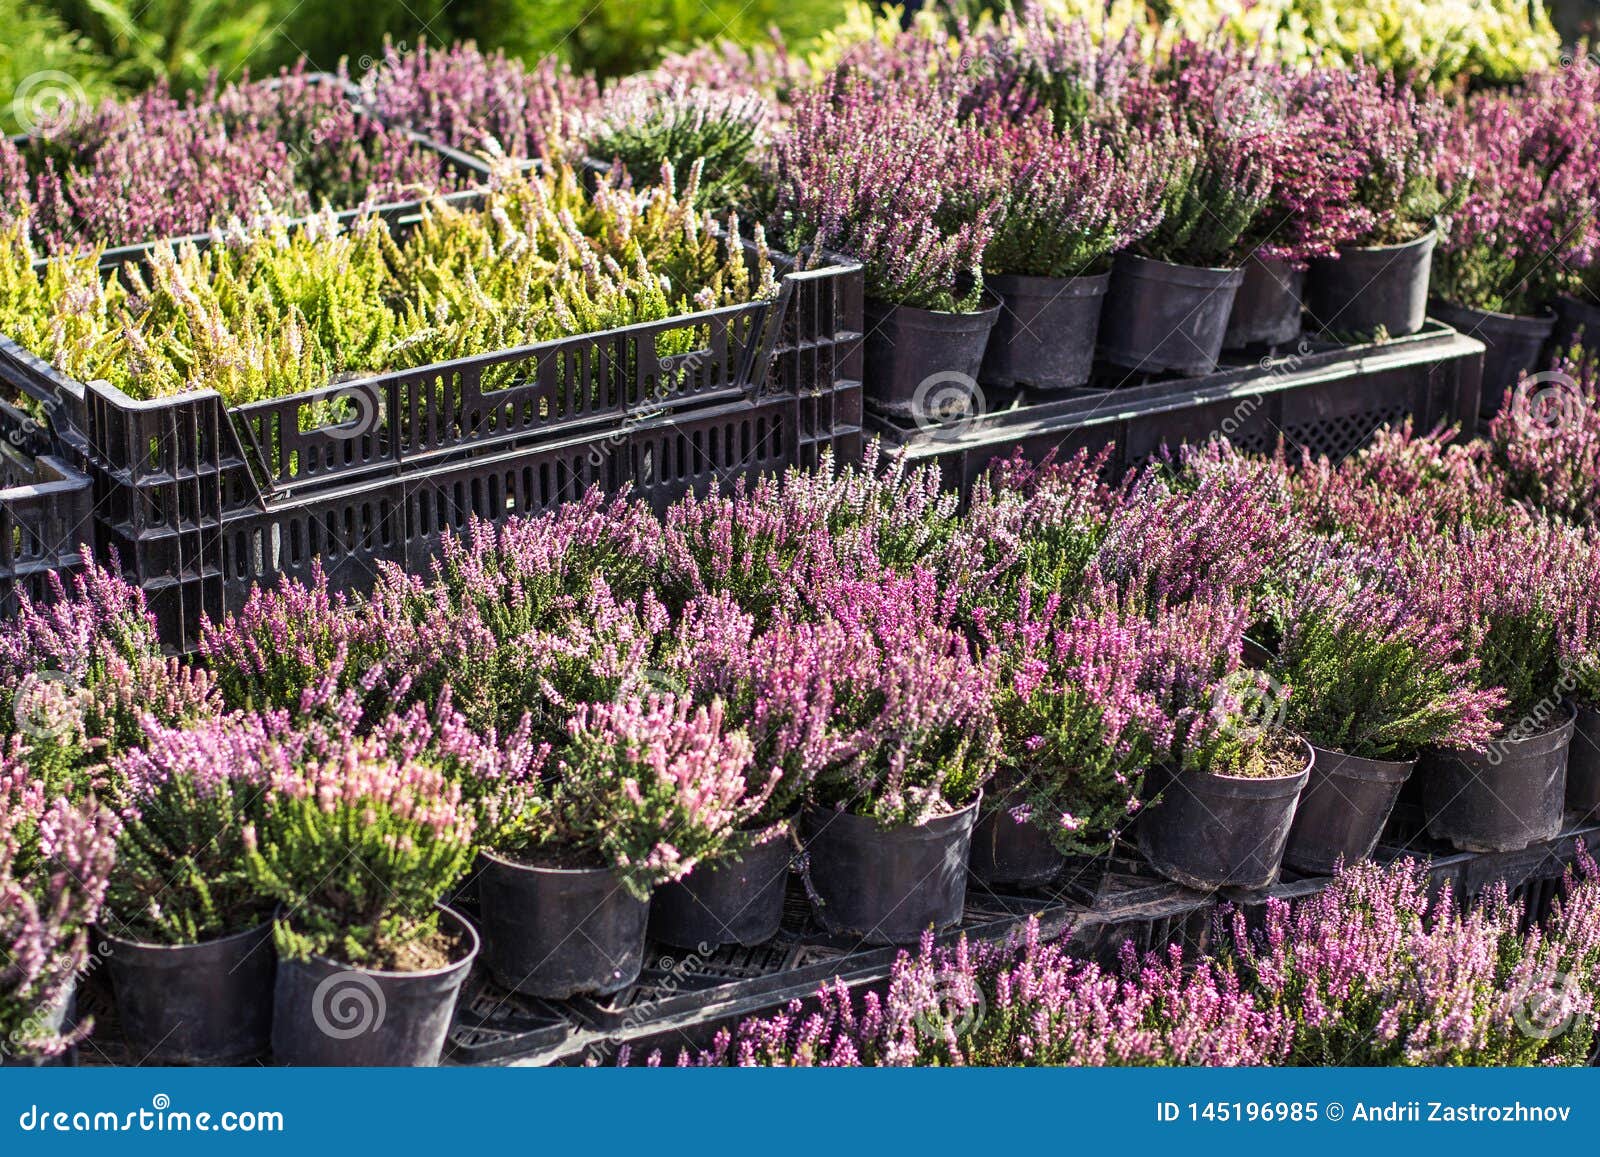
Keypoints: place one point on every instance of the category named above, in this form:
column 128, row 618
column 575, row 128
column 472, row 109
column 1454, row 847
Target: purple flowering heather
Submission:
column 1526, row 190
column 55, row 856
column 650, row 787
column 157, row 167
column 1021, row 1002
column 1546, row 442
column 841, row 183
column 462, row 97
column 1385, row 968
column 1373, row 674
column 78, row 670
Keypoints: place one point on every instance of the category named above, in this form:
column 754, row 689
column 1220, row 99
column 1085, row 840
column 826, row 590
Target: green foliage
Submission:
column 180, row 874
column 37, row 42
column 180, row 41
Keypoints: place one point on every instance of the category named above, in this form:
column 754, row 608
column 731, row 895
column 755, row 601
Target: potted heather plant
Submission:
column 1378, row 282
column 1520, row 596
column 1076, row 717
column 188, row 935
column 1228, row 775
column 55, row 855
column 356, row 844
column 1072, row 198
column 897, row 207
column 643, row 790
column 1376, row 681
column 1524, row 216
column 909, row 744
column 1170, row 296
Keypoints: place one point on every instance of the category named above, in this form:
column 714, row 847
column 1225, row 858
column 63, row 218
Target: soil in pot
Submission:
column 887, row 885
column 1044, row 336
column 1161, row 317
column 922, row 364
column 1210, row 831
column 1511, row 347
column 195, row 1004
column 557, row 932
column 328, row 1013
column 1577, row 323
column 1501, row 800
column 1266, row 310
column 732, row 901
column 1343, row 809
column 1583, row 766
column 1368, row 288
column 1005, row 851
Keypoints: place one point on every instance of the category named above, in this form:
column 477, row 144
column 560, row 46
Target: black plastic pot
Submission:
column 888, row 886
column 734, row 901
column 1045, row 334
column 1502, row 800
column 195, row 1004
column 1511, row 347
column 1266, row 310
column 1583, row 766
column 558, row 932
column 54, row 1021
column 1160, row 316
column 1007, row 852
column 1369, row 287
column 1343, row 809
column 1577, row 323
column 1212, row 831
column 328, row 1013
column 921, row 363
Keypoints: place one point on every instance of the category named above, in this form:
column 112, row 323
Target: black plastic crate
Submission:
column 1323, row 398
column 196, row 556
column 44, row 511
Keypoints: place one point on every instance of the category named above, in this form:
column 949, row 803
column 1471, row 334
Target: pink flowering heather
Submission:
column 358, row 845
column 54, row 859
column 895, row 206
column 766, row 543
column 462, row 97
column 649, row 787
column 1526, row 177
column 1020, row 1002
column 1374, row 675
column 1397, row 137
column 157, row 167
column 1521, row 598
column 1215, row 527
column 1384, row 968
column 79, row 669
column 1071, row 197
column 1546, row 443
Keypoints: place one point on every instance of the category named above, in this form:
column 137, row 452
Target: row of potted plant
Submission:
column 597, row 724
column 1380, row 969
